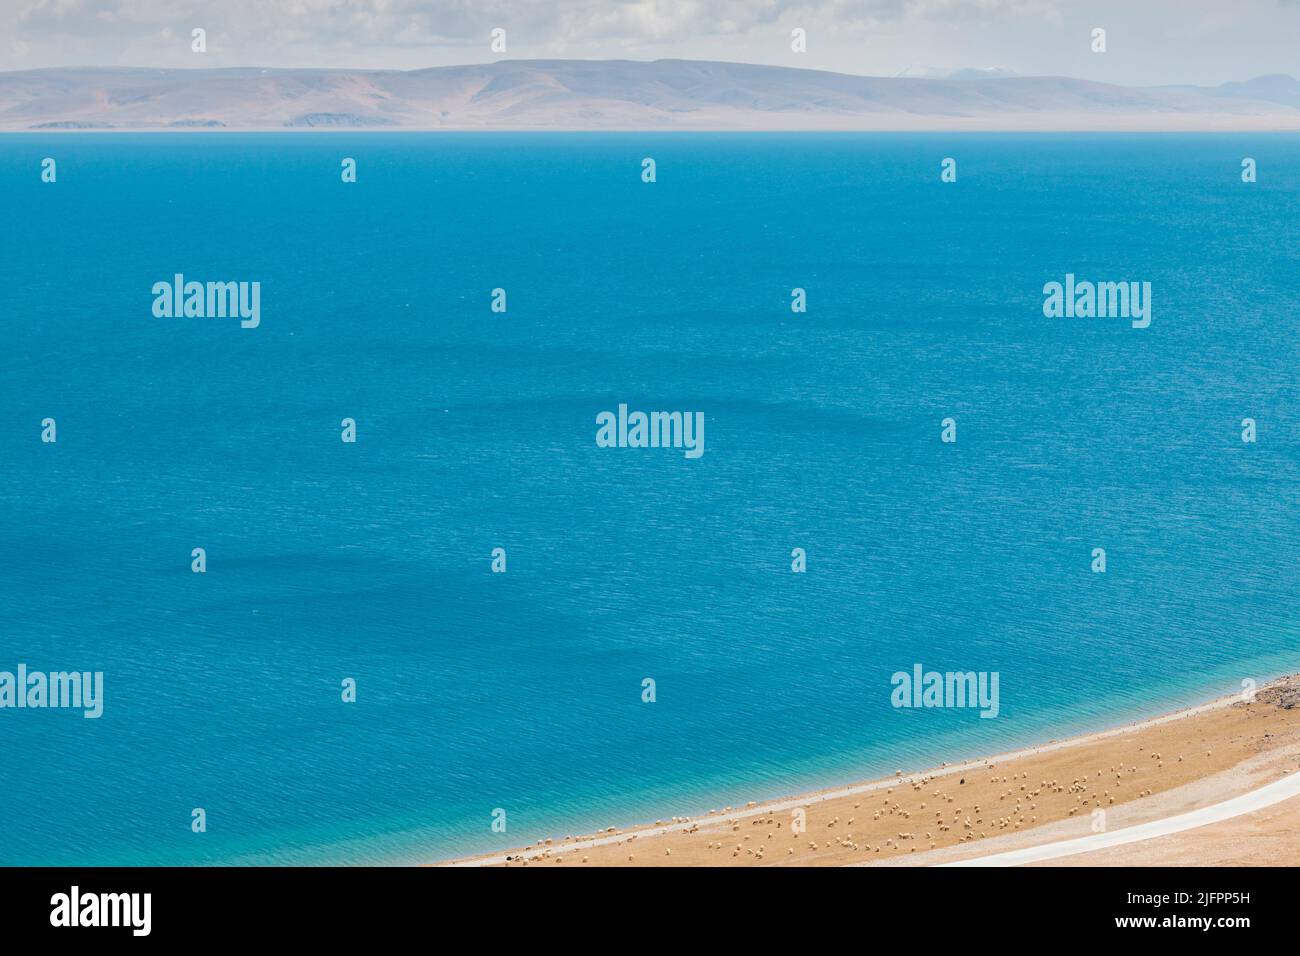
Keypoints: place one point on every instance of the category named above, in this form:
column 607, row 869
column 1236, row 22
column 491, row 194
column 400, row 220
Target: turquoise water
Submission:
column 476, row 430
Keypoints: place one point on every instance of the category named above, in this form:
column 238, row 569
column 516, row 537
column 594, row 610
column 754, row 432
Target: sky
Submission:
column 1148, row 42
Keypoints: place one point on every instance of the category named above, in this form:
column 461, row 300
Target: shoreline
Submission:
column 1068, row 129
column 690, row 830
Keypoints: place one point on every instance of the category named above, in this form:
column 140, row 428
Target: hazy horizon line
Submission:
column 960, row 74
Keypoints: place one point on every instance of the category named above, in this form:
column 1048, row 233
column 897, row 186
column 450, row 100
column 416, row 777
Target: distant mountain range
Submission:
column 623, row 94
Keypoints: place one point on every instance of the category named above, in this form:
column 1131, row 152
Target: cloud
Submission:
column 380, row 23
column 1156, row 41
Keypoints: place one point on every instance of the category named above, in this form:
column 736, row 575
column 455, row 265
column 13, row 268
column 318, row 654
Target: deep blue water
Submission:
column 476, row 430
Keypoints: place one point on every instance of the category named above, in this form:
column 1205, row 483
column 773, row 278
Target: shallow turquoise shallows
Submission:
column 476, row 430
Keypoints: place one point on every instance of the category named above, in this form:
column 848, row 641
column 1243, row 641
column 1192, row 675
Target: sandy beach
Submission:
column 1100, row 782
